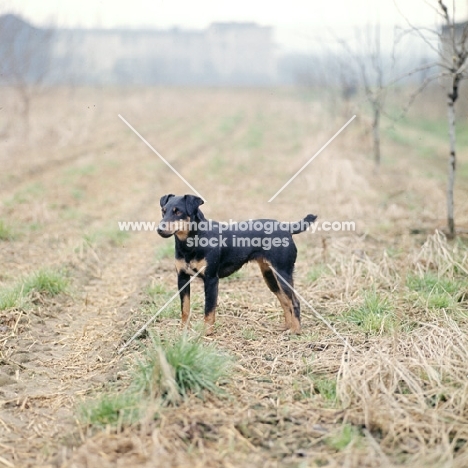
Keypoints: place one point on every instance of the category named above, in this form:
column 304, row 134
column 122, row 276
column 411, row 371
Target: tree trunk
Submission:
column 376, row 135
column 452, row 167
column 452, row 98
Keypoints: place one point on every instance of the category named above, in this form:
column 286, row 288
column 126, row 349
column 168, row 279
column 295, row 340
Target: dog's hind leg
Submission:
column 286, row 284
column 285, row 295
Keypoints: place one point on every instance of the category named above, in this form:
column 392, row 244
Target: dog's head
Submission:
column 178, row 213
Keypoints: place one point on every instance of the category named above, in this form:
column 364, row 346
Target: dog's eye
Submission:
column 163, row 211
column 177, row 212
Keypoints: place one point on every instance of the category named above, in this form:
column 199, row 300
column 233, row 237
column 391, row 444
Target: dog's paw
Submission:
column 209, row 330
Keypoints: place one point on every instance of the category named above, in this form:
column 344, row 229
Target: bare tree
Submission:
column 24, row 61
column 452, row 52
column 453, row 57
column 369, row 74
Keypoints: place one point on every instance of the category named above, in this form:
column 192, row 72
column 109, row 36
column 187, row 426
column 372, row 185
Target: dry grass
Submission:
column 387, row 389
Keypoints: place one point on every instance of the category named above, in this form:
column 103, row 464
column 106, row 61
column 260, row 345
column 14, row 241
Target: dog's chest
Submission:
column 191, row 267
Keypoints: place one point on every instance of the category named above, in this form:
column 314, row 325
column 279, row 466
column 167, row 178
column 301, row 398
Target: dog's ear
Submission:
column 165, row 199
column 192, row 203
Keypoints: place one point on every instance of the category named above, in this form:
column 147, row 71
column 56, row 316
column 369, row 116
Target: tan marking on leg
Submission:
column 284, row 300
column 296, row 324
column 287, row 306
column 291, row 321
column 209, row 322
column 185, row 310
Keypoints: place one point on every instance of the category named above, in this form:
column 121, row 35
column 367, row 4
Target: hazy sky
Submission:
column 297, row 22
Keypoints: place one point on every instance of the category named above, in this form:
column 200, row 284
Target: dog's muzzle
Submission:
column 163, row 232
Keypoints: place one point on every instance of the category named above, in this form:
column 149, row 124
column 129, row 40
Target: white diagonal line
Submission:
column 321, row 317
column 312, row 158
column 162, row 159
column 143, row 328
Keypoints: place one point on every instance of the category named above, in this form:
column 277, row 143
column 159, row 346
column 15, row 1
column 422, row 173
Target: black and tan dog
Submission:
column 217, row 250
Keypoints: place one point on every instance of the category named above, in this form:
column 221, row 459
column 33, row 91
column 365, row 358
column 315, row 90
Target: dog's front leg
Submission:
column 182, row 280
column 211, row 299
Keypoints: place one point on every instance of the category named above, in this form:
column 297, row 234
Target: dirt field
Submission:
column 388, row 388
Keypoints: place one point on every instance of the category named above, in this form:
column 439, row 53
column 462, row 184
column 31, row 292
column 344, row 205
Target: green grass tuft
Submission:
column 180, row 366
column 430, row 282
column 45, row 281
column 435, row 292
column 326, row 387
column 170, row 370
column 12, row 298
column 111, row 409
column 375, row 315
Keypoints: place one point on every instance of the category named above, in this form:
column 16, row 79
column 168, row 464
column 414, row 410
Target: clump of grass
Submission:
column 11, row 298
column 111, row 409
column 184, row 365
column 45, row 281
column 375, row 315
column 6, row 232
column 343, row 437
column 169, row 371
column 433, row 291
column 430, row 282
column 326, row 387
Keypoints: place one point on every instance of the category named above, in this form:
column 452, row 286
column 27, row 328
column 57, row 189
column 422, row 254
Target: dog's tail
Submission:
column 303, row 224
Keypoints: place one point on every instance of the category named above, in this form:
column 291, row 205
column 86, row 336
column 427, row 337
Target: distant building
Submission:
column 222, row 54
